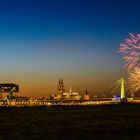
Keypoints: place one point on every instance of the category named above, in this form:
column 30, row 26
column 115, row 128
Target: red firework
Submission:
column 134, row 80
column 131, row 50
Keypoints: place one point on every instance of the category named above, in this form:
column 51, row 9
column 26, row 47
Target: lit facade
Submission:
column 71, row 95
column 60, row 89
column 61, row 94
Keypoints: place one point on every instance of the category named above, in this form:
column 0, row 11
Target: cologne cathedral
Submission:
column 61, row 94
column 60, row 89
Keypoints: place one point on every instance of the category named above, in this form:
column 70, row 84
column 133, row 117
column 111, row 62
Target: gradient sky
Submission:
column 42, row 40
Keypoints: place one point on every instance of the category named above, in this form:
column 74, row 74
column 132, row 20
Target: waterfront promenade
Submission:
column 37, row 102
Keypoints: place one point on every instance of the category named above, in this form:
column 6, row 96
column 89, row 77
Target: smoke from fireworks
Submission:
column 131, row 50
column 134, row 80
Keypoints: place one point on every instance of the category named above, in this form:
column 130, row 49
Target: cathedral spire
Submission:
column 60, row 87
column 59, row 81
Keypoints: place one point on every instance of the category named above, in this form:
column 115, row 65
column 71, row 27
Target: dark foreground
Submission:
column 111, row 122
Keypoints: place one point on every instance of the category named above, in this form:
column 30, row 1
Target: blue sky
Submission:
column 42, row 40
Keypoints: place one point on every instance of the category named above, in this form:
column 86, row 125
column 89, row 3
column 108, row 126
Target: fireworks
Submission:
column 131, row 50
column 134, row 80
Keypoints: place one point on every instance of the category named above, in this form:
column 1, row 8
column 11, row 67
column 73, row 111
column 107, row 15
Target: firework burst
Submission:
column 134, row 80
column 131, row 50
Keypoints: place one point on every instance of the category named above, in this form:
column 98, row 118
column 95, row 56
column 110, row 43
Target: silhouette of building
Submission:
column 60, row 89
column 86, row 96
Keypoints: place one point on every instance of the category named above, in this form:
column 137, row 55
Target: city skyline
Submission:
column 41, row 41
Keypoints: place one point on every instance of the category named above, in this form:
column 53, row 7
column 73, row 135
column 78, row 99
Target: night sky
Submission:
column 42, row 40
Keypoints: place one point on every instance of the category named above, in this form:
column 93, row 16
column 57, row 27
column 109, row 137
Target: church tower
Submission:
column 60, row 88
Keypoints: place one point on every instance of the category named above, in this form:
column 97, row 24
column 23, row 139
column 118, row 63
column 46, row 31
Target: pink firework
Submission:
column 134, row 80
column 131, row 50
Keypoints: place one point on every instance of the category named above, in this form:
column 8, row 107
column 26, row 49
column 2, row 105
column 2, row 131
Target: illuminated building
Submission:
column 60, row 89
column 9, row 88
column 71, row 95
column 86, row 96
column 61, row 94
